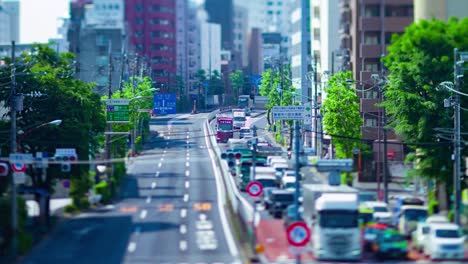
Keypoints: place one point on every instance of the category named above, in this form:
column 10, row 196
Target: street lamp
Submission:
column 56, row 122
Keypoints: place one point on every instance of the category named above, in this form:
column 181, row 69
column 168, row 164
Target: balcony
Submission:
column 397, row 24
column 343, row 5
column 368, row 105
column 370, row 24
column 344, row 29
column 370, row 51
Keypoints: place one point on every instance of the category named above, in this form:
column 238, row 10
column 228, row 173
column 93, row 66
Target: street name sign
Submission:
column 164, row 104
column 21, row 158
column 289, row 112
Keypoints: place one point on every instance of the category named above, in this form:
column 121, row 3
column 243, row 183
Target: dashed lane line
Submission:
column 143, row 214
column 183, row 213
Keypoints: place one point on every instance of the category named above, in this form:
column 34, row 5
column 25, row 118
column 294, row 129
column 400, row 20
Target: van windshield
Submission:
column 379, row 209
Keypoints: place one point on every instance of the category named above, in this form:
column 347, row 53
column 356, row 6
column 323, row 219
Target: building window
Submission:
column 371, row 122
column 278, row 12
column 138, row 34
column 139, row 8
column 270, row 12
column 270, row 3
column 372, row 38
column 372, row 67
column 280, row 3
column 316, row 33
column 138, row 21
column 371, row 11
column 101, row 40
column 139, row 47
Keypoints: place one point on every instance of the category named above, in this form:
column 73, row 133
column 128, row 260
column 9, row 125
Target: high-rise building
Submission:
column 440, row 9
column 300, row 49
column 187, row 43
column 9, row 21
column 241, row 34
column 222, row 12
column 96, row 34
column 366, row 30
column 152, row 25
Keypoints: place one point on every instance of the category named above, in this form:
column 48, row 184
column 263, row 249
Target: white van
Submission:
column 271, row 159
column 409, row 217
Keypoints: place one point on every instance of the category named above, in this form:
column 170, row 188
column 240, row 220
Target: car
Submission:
column 245, row 131
column 409, row 217
column 289, row 215
column 381, row 213
column 280, row 200
column 438, row 218
column 370, row 234
column 390, row 244
column 445, row 241
column 288, row 182
column 419, row 236
column 267, row 196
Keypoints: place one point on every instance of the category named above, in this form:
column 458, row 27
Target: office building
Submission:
column 9, row 21
column 440, row 9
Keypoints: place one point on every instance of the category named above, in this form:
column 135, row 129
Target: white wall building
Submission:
column 210, row 47
column 241, row 25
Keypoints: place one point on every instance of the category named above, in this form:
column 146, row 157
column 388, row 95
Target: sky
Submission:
column 39, row 19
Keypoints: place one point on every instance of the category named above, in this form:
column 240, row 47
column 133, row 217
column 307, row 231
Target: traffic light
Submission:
column 65, row 160
column 3, row 169
column 230, row 157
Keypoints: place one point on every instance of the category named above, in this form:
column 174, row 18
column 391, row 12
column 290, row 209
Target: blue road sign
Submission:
column 164, row 104
column 255, row 79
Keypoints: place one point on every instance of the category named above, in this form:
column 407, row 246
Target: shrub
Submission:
column 102, row 188
column 71, row 209
column 25, row 242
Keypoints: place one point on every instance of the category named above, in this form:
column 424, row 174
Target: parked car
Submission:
column 280, row 200
column 390, row 244
column 370, row 234
column 445, row 241
column 289, row 215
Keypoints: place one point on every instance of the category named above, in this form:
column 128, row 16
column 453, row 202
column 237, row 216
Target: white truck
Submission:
column 239, row 118
column 332, row 213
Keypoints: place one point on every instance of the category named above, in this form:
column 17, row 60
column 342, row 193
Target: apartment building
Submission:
column 366, row 30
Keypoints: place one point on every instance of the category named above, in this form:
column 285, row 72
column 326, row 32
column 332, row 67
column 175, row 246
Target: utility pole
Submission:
column 315, row 106
column 457, row 143
column 123, row 57
column 14, row 205
column 109, row 91
column 385, row 157
column 298, row 179
column 254, row 161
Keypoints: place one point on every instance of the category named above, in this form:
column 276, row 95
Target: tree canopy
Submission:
column 341, row 117
column 419, row 60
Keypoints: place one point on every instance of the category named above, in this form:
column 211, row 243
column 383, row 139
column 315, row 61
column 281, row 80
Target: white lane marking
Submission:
column 168, row 137
column 148, row 200
column 188, row 142
column 186, row 197
column 153, row 185
column 157, row 174
column 143, row 214
column 164, row 152
column 187, row 173
column 183, row 229
column 183, row 213
column 183, row 245
column 188, row 154
column 162, row 159
column 187, row 184
column 188, row 158
column 188, row 136
column 160, row 164
column 131, row 247
column 222, row 213
column 187, row 164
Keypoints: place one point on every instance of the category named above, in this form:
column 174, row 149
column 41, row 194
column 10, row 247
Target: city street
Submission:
column 169, row 210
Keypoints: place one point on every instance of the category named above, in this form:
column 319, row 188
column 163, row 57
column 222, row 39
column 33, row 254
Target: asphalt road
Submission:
column 169, row 211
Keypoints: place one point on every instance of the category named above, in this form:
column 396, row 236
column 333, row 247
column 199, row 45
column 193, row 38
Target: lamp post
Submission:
column 56, row 122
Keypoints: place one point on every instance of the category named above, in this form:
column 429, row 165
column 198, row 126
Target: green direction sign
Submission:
column 117, row 110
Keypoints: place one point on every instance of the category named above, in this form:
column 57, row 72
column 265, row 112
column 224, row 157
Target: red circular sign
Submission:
column 298, row 234
column 254, row 188
column 18, row 167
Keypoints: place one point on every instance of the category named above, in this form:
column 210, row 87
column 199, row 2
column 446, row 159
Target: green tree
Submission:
column 341, row 117
column 215, row 84
column 66, row 98
column 237, row 82
column 418, row 61
column 200, row 76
